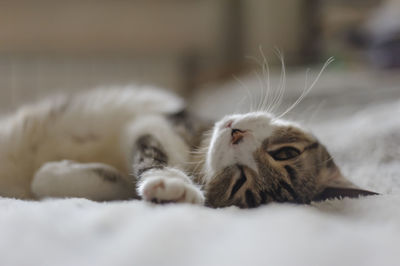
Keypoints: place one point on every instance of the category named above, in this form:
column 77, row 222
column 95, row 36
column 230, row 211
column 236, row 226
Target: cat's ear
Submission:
column 339, row 187
column 341, row 192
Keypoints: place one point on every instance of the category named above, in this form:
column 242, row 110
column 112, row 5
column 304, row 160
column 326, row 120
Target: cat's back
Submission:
column 98, row 108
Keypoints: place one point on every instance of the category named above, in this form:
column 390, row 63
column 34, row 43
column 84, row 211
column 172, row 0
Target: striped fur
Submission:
column 306, row 175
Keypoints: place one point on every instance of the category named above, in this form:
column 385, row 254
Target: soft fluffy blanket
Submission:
column 357, row 116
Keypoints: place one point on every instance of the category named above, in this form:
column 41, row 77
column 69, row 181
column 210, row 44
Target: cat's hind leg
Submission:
column 95, row 181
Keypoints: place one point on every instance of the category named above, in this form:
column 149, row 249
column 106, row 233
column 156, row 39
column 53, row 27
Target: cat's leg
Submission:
column 157, row 155
column 94, row 181
column 156, row 181
column 168, row 185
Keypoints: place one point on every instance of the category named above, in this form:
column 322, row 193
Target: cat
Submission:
column 142, row 143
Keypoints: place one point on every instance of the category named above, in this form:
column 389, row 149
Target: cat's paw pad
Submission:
column 164, row 186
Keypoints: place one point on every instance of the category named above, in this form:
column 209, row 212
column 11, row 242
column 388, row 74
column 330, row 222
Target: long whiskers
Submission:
column 278, row 95
column 264, row 83
column 261, row 89
column 266, row 73
column 307, row 90
column 249, row 95
column 271, row 99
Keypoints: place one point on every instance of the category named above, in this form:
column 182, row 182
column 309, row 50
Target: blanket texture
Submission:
column 357, row 116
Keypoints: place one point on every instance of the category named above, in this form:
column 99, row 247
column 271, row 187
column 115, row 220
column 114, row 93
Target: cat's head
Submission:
column 253, row 159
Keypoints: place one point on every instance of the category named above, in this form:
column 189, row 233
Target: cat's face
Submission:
column 254, row 159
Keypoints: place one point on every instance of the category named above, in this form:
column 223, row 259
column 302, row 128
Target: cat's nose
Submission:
column 237, row 135
column 229, row 124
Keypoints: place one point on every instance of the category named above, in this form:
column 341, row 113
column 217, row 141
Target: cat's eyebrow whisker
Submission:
column 266, row 73
column 259, row 104
column 261, row 84
column 249, row 95
column 264, row 102
column 283, row 86
column 307, row 90
column 278, row 96
column 300, row 98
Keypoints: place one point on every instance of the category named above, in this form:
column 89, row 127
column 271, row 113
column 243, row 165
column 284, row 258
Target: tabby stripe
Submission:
column 250, row 200
column 289, row 189
column 279, row 195
column 312, row 146
column 145, row 169
column 239, row 183
column 292, row 173
column 263, row 196
column 274, row 194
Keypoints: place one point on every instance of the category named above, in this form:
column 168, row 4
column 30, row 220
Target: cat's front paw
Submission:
column 169, row 185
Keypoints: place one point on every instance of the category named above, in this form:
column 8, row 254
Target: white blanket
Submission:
column 360, row 128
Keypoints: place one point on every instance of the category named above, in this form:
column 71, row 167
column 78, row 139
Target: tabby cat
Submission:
column 141, row 143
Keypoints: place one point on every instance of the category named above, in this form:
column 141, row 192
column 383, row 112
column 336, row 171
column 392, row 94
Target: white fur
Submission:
column 176, row 149
column 222, row 152
column 71, row 179
column 90, row 127
column 169, row 185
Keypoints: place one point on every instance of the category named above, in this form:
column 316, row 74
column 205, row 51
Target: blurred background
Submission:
column 48, row 46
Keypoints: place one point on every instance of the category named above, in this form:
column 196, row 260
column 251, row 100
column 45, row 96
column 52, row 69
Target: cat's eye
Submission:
column 285, row 153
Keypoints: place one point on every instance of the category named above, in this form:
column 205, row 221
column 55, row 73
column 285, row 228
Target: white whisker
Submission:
column 278, row 95
column 266, row 73
column 249, row 95
column 261, row 89
column 258, row 106
column 307, row 90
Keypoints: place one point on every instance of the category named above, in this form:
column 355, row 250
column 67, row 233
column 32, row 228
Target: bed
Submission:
column 355, row 113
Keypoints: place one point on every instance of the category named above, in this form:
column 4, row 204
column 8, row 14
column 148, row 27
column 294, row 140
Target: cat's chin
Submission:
column 232, row 186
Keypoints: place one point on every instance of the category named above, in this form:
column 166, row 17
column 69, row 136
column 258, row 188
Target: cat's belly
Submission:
column 86, row 128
